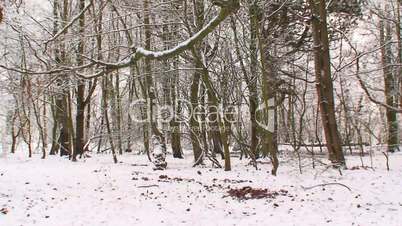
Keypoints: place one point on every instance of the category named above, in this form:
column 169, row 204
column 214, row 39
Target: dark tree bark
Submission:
column 194, row 125
column 80, row 92
column 55, row 144
column 12, row 117
column 1, row 14
column 150, row 86
column 324, row 84
column 170, row 88
column 269, row 86
column 252, row 80
column 105, row 108
column 63, row 140
column 389, row 85
column 175, row 126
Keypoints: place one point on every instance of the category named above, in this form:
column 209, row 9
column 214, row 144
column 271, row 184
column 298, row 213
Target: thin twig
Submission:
column 323, row 185
column 148, row 186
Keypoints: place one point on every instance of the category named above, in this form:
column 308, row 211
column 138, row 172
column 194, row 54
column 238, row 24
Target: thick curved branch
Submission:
column 227, row 8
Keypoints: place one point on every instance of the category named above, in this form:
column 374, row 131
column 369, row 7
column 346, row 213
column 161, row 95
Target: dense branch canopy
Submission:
column 227, row 7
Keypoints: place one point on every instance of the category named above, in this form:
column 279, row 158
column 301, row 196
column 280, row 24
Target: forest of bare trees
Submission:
column 200, row 112
column 217, row 79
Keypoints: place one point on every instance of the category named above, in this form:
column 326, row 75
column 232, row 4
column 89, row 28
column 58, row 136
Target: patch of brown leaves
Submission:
column 358, row 167
column 248, row 192
column 4, row 210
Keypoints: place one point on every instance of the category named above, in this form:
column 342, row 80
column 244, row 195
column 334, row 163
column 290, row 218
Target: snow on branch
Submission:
column 227, row 8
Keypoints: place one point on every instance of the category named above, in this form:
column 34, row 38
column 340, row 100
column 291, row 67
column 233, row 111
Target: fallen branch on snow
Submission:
column 327, row 184
column 148, row 186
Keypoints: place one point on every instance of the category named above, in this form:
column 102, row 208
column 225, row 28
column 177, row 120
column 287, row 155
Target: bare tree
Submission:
column 324, row 80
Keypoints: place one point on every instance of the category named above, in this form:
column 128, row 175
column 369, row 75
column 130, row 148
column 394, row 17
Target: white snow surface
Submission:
column 95, row 191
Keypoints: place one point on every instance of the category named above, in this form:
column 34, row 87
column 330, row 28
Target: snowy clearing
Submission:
column 97, row 192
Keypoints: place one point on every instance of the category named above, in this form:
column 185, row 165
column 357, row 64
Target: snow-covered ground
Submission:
column 95, row 192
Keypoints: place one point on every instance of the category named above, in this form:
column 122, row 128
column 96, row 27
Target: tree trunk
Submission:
column 175, row 126
column 270, row 83
column 389, row 84
column 169, row 89
column 12, row 117
column 105, row 108
column 252, row 80
column 80, row 110
column 1, row 14
column 150, row 86
column 55, row 144
column 324, row 84
column 399, row 37
column 62, row 92
column 194, row 125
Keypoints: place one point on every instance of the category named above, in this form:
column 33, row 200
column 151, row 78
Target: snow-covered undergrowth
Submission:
column 95, row 191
